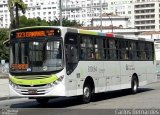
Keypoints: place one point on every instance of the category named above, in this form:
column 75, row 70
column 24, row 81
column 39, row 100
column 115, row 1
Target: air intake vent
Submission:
column 33, row 77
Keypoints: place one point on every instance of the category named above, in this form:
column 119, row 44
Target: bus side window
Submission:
column 86, row 46
column 112, row 49
column 124, row 50
column 99, row 48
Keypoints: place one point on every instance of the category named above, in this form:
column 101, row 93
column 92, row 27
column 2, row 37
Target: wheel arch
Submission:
column 89, row 80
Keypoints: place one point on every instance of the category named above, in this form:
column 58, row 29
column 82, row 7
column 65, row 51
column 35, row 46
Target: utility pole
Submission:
column 60, row 8
column 101, row 14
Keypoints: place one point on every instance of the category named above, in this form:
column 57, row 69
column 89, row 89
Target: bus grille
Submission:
column 32, row 77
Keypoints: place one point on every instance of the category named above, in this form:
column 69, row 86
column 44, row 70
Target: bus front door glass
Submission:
column 71, row 52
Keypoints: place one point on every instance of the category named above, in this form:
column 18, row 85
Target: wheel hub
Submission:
column 86, row 92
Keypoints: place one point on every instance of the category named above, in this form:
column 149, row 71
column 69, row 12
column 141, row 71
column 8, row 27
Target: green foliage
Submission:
column 14, row 6
column 65, row 22
column 24, row 22
column 19, row 3
column 4, row 51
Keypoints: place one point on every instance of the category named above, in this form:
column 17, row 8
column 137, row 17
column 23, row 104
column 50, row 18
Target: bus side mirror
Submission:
column 6, row 43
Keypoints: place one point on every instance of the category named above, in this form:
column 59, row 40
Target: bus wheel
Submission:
column 87, row 93
column 42, row 101
column 134, row 85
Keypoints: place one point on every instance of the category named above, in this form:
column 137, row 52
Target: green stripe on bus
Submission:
column 88, row 32
column 34, row 81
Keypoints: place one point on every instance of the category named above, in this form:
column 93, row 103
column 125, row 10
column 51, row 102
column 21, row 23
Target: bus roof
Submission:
column 88, row 32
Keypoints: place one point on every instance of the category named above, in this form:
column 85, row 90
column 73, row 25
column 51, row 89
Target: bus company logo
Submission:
column 9, row 112
column 31, row 84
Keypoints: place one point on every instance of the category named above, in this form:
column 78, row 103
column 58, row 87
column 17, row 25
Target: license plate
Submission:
column 32, row 92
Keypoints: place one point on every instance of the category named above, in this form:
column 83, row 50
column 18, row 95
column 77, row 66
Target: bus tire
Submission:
column 87, row 93
column 42, row 101
column 134, row 85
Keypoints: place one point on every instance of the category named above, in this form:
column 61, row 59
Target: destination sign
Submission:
column 35, row 33
column 19, row 66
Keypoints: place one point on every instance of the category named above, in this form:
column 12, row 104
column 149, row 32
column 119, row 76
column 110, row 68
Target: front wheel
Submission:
column 134, row 86
column 87, row 93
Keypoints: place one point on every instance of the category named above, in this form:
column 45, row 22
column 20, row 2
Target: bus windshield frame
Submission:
column 38, row 55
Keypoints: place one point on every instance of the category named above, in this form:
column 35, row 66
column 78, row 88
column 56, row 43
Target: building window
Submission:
column 129, row 12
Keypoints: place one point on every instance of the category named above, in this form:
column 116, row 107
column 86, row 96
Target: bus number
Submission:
column 92, row 68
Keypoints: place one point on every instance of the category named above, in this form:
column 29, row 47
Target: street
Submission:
column 148, row 97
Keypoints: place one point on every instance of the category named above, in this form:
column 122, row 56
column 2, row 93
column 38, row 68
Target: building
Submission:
column 81, row 10
column 141, row 14
column 147, row 13
column 47, row 10
column 111, row 20
column 4, row 14
column 113, row 24
column 123, row 8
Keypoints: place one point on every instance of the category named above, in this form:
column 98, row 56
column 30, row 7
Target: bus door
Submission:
column 71, row 58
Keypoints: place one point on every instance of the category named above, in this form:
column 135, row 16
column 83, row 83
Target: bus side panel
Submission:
column 127, row 70
column 112, row 75
column 145, row 71
column 151, row 72
column 84, row 69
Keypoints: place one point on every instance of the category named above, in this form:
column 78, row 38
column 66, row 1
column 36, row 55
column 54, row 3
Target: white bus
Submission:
column 47, row 62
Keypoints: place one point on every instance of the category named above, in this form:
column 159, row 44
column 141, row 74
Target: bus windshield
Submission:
column 36, row 56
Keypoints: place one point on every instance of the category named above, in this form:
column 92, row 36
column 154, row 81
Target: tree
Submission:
column 65, row 22
column 24, row 22
column 4, row 51
column 15, row 4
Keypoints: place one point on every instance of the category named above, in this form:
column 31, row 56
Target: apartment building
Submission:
column 123, row 8
column 4, row 14
column 81, row 10
column 147, row 15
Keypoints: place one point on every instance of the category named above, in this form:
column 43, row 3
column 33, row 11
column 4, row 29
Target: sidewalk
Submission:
column 4, row 89
column 3, row 75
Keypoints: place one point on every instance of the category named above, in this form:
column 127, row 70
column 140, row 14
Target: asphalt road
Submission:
column 148, row 98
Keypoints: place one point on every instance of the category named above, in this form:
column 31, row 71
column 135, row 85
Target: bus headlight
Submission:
column 13, row 85
column 56, row 82
column 60, row 78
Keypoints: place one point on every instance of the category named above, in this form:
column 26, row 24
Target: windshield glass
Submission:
column 36, row 56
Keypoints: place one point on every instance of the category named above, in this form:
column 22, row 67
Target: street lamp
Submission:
column 108, row 14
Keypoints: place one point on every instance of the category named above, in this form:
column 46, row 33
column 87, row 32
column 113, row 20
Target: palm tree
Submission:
column 16, row 4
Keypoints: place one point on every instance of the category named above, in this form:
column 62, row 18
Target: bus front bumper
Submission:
column 41, row 91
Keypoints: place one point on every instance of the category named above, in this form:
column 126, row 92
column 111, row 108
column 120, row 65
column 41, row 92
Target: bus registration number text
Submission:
column 92, row 68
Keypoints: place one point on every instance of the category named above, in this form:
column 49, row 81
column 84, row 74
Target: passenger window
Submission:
column 99, row 49
column 112, row 50
column 87, row 51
